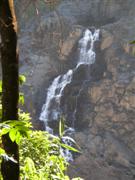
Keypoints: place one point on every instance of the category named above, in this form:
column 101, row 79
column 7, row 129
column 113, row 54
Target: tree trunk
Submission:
column 9, row 60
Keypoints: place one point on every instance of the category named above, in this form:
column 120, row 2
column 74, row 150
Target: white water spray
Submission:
column 51, row 108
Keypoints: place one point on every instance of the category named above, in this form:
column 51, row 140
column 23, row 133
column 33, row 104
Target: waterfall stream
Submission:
column 51, row 109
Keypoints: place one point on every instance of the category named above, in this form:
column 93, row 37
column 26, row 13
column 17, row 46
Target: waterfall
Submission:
column 53, row 98
column 87, row 56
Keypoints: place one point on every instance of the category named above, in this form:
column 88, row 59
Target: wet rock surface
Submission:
column 105, row 120
column 108, row 139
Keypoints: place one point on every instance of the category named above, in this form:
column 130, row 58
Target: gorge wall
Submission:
column 105, row 123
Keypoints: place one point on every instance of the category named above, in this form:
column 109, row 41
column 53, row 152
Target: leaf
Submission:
column 132, row 42
column 5, row 131
column 12, row 134
column 22, row 79
column 2, row 151
column 72, row 140
column 69, row 138
column 77, row 178
column 30, row 166
column 24, row 116
column 21, row 98
column 11, row 122
column 18, row 137
column 61, row 127
column 55, row 177
column 0, row 111
column 0, row 86
column 69, row 148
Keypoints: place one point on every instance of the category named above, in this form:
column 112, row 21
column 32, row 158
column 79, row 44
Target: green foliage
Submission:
column 17, row 129
column 40, row 152
column 62, row 137
column 21, row 98
column 22, row 79
column 61, row 127
column 0, row 99
column 0, row 87
column 0, row 110
column 132, row 42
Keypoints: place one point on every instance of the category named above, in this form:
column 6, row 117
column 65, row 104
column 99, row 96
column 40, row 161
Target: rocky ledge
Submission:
column 105, row 129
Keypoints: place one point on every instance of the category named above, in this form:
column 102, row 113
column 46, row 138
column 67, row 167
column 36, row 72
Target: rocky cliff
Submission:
column 105, row 125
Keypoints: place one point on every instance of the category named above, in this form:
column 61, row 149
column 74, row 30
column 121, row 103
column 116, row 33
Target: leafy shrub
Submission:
column 40, row 152
column 40, row 157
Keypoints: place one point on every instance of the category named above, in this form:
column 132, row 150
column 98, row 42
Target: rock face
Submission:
column 105, row 125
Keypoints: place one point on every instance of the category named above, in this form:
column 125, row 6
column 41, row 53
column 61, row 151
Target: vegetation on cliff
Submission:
column 25, row 153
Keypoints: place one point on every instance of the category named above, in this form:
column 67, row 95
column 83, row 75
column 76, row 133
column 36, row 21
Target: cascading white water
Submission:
column 87, row 56
column 54, row 94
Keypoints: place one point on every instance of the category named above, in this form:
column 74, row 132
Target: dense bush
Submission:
column 40, row 157
column 40, row 152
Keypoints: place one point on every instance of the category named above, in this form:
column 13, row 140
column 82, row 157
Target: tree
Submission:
column 9, row 61
column 10, row 85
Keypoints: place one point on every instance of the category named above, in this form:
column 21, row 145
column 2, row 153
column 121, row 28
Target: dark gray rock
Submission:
column 106, row 105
